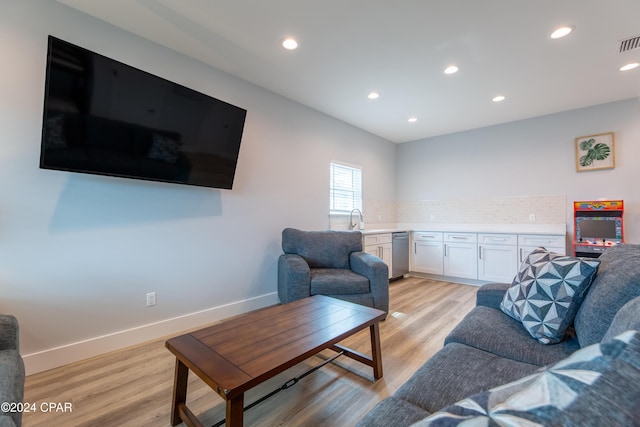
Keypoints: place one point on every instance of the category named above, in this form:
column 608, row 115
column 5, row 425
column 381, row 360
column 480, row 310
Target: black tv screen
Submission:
column 104, row 117
column 596, row 228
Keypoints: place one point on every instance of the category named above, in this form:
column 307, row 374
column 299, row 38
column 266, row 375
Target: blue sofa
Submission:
column 489, row 355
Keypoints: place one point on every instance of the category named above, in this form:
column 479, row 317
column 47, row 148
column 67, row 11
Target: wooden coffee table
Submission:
column 240, row 353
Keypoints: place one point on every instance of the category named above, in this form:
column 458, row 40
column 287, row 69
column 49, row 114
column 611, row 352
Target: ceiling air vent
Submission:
column 630, row 44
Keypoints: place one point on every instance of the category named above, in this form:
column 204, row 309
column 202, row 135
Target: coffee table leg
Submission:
column 235, row 411
column 179, row 391
column 376, row 351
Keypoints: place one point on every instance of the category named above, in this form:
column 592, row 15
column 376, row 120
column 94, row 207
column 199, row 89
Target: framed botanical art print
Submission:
column 594, row 152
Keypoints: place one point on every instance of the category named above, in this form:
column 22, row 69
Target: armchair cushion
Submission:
column 322, row 249
column 337, row 281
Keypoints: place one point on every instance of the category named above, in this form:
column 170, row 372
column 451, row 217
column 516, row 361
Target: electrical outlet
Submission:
column 532, row 217
column 151, row 299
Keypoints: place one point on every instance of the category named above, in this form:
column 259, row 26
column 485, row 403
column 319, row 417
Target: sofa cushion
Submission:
column 617, row 282
column 547, row 292
column 337, row 281
column 393, row 411
column 322, row 249
column 628, row 317
column 491, row 330
column 457, row 371
column 598, row 385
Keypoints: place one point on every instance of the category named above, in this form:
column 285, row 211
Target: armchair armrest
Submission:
column 8, row 332
column 294, row 278
column 374, row 269
column 491, row 294
column 11, row 369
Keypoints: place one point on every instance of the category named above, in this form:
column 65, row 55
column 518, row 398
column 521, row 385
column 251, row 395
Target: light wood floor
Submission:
column 132, row 387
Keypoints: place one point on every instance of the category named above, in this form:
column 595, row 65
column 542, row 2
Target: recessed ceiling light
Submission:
column 373, row 95
column 562, row 31
column 630, row 66
column 451, row 69
column 289, row 43
column 412, row 119
column 499, row 98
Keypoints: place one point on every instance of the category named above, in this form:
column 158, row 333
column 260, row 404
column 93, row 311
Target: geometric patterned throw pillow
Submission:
column 547, row 291
column 596, row 386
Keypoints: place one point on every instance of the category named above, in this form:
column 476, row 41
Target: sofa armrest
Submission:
column 294, row 278
column 491, row 294
column 374, row 269
column 8, row 332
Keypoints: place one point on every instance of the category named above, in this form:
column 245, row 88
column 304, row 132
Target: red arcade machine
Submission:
column 598, row 224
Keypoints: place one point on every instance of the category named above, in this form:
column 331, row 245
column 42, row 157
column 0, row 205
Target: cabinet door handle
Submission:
column 541, row 242
column 415, row 247
column 445, row 250
column 480, row 252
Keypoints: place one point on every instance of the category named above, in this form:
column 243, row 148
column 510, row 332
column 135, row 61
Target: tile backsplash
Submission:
column 547, row 209
column 503, row 210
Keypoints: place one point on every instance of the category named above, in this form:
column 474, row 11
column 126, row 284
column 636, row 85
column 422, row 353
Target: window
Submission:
column 345, row 188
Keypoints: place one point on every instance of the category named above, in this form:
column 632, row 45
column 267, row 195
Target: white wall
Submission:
column 78, row 253
column 528, row 158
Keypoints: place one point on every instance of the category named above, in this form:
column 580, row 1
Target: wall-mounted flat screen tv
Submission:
column 104, row 117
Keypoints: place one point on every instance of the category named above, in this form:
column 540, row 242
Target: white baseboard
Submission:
column 63, row 355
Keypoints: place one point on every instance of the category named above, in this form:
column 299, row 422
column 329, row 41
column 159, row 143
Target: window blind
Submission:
column 345, row 188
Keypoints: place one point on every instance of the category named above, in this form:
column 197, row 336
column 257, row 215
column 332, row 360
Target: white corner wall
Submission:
column 78, row 253
column 534, row 157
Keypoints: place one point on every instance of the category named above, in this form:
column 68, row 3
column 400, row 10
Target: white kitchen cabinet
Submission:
column 460, row 259
column 380, row 245
column 427, row 252
column 530, row 242
column 477, row 257
column 497, row 257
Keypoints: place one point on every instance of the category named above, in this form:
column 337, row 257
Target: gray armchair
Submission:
column 11, row 370
column 331, row 263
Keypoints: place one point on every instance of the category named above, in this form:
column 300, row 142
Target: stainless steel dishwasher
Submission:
column 400, row 255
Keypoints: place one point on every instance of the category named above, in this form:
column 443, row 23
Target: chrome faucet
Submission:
column 353, row 225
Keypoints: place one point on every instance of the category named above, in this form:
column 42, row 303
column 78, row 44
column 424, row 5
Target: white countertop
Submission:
column 383, row 230
column 476, row 228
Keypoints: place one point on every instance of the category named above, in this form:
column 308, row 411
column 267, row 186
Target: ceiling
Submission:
column 349, row 48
